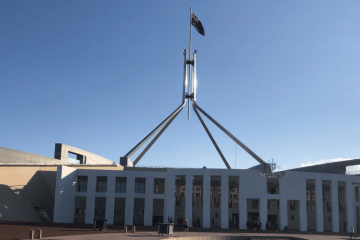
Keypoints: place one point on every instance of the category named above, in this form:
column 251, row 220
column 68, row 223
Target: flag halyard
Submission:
column 197, row 24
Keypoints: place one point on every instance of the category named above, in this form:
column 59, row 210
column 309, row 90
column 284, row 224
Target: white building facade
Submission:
column 224, row 198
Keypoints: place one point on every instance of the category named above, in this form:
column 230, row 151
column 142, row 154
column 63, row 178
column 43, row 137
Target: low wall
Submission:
column 14, row 156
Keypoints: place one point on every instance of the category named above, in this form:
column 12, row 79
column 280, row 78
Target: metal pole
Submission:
column 154, row 140
column 256, row 157
column 185, row 75
column 132, row 151
column 235, row 154
column 211, row 137
column 189, row 93
column 194, row 76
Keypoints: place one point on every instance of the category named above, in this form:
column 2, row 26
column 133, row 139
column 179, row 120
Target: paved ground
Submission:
column 154, row 236
column 18, row 231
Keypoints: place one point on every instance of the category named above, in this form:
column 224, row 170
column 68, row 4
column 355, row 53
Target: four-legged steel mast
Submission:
column 189, row 93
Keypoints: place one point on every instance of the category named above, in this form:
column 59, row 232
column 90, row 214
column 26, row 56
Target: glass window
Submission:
column 82, row 184
column 272, row 185
column 120, row 186
column 356, row 193
column 139, row 185
column 159, row 185
column 101, row 184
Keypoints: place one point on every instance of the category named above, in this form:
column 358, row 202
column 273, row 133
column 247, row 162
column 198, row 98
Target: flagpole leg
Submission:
column 189, row 80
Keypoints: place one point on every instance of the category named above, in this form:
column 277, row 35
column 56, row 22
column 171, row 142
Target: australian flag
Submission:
column 197, row 24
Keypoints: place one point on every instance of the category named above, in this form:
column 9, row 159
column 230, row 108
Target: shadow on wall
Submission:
column 33, row 202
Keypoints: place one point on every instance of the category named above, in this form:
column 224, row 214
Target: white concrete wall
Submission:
column 64, row 205
column 292, row 187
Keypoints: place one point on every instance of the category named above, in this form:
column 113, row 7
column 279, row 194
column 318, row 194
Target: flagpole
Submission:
column 189, row 67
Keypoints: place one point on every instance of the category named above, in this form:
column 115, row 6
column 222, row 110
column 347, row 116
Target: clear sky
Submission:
column 282, row 76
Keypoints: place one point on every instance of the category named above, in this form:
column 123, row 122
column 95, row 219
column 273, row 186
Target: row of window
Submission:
column 120, row 185
column 159, row 187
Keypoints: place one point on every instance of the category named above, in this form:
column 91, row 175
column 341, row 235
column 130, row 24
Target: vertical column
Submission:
column 243, row 181
column 263, row 212
column 129, row 201
column 188, row 198
column 206, row 201
column 148, row 211
column 283, row 213
column 65, row 194
column 319, row 206
column 90, row 200
column 350, row 209
column 224, row 201
column 169, row 197
column 334, row 206
column 110, row 199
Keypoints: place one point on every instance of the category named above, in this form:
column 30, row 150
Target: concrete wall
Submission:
column 24, row 188
column 61, row 156
column 251, row 185
column 62, row 150
column 27, row 181
column 14, row 156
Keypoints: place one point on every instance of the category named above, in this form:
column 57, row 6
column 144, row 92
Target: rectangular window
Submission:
column 272, row 186
column 310, row 205
column 292, row 205
column 356, row 193
column 255, row 203
column 81, row 184
column 120, row 186
column 101, row 184
column 159, row 185
column 139, row 185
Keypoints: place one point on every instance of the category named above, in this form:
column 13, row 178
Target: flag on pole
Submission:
column 197, row 24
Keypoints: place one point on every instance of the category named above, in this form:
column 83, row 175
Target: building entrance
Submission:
column 235, row 221
column 253, row 217
column 272, row 222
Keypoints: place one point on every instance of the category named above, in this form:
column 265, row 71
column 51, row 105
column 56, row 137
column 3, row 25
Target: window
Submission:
column 159, row 185
column 255, row 203
column 292, row 205
column 101, row 184
column 80, row 211
column 182, row 190
column 313, row 196
column 82, row 184
column 139, row 185
column 120, row 186
column 356, row 193
column 272, row 185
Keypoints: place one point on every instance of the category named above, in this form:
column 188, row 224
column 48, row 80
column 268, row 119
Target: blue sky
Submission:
column 282, row 76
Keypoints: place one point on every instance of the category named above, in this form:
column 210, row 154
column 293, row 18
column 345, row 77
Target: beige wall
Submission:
column 14, row 156
column 22, row 188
